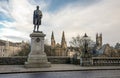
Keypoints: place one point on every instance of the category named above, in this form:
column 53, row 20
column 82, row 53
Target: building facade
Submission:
column 58, row 49
column 8, row 48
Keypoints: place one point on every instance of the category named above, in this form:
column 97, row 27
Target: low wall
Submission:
column 75, row 61
column 59, row 59
column 20, row 60
column 16, row 60
column 96, row 61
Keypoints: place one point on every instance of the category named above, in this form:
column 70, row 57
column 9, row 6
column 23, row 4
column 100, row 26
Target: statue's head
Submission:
column 37, row 7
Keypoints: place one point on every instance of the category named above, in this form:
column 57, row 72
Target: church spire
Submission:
column 52, row 40
column 52, row 36
column 63, row 41
column 96, row 35
column 63, row 36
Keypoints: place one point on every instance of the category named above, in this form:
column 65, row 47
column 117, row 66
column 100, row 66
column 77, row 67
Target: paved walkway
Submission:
column 53, row 68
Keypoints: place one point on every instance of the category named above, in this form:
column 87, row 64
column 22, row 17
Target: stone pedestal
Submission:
column 85, row 60
column 37, row 56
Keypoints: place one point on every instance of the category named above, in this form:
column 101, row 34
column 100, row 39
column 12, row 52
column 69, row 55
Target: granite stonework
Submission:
column 37, row 56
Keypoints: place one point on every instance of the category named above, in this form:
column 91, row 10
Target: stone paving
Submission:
column 53, row 68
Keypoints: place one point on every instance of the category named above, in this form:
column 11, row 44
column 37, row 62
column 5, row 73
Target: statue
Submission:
column 37, row 18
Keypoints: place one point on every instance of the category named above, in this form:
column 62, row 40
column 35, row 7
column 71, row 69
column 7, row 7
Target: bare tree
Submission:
column 78, row 42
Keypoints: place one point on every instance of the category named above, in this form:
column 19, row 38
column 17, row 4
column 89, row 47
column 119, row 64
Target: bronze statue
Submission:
column 37, row 18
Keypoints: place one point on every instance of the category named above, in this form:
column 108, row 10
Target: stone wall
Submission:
column 96, row 61
column 20, row 60
column 16, row 60
column 59, row 59
column 75, row 61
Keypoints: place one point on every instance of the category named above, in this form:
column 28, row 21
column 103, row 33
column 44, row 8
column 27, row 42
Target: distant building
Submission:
column 98, row 41
column 58, row 49
column 105, row 50
column 117, row 46
column 98, row 45
column 8, row 48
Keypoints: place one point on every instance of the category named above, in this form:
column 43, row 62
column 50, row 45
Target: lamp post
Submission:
column 85, row 40
column 85, row 43
column 85, row 59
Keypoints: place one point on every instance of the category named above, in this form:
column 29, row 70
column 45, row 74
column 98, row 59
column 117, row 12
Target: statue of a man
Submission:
column 37, row 18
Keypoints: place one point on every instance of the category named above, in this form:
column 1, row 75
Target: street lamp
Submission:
column 86, row 57
column 85, row 45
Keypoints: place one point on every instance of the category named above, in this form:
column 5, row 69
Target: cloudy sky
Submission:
column 72, row 16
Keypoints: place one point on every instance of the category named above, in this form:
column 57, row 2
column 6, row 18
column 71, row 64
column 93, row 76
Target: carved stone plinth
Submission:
column 37, row 56
column 85, row 59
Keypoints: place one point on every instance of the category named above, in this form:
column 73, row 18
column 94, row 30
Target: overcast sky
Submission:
column 72, row 16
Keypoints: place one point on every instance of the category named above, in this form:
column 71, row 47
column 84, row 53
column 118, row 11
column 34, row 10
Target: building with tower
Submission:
column 98, row 41
column 52, row 41
column 58, row 49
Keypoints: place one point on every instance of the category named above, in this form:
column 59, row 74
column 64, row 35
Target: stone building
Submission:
column 58, row 49
column 117, row 46
column 106, row 50
column 98, row 45
column 98, row 41
column 8, row 48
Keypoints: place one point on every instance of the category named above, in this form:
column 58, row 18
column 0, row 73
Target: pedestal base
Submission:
column 37, row 65
column 37, row 57
column 37, row 61
column 85, row 61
